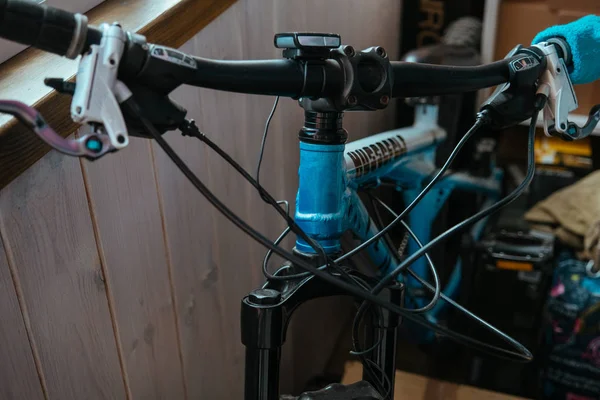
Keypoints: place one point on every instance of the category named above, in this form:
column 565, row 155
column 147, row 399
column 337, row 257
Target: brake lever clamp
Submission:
column 92, row 145
column 556, row 84
column 98, row 93
column 514, row 101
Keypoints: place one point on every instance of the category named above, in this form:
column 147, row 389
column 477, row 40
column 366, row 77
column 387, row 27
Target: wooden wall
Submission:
column 118, row 280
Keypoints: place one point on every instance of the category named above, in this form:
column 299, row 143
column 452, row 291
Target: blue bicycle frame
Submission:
column 328, row 205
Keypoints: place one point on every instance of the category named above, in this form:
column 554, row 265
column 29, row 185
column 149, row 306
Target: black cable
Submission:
column 432, row 289
column 368, row 364
column 426, row 284
column 385, row 380
column 266, row 196
column 464, row 224
column 437, row 290
column 265, row 268
column 522, row 354
column 387, row 239
column 482, row 119
column 262, row 149
column 474, row 218
column 432, row 268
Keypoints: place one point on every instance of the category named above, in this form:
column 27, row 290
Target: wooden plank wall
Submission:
column 118, row 280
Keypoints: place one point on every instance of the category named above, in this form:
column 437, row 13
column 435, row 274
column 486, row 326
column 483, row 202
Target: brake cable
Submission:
column 469, row 221
column 520, row 353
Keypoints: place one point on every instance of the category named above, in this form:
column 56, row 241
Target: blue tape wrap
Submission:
column 322, row 200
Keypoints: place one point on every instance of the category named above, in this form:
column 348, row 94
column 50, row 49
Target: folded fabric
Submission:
column 570, row 211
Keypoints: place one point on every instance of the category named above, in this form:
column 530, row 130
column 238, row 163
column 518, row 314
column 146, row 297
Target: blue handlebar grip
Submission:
column 583, row 36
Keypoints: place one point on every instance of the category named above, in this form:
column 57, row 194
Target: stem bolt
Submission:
column 349, row 51
column 265, row 297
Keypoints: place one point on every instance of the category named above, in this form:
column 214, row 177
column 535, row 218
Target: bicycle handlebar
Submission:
column 46, row 28
column 289, row 78
column 415, row 80
column 67, row 34
column 268, row 77
column 325, row 75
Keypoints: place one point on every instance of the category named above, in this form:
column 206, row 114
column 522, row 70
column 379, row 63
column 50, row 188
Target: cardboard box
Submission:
column 586, row 6
column 519, row 22
column 416, row 387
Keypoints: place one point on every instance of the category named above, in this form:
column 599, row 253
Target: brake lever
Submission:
column 573, row 131
column 556, row 84
column 98, row 93
column 92, row 145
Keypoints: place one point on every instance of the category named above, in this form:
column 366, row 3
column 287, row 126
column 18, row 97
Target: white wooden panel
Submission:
column 48, row 236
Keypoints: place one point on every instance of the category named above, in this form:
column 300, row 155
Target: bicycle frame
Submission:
column 330, row 176
column 328, row 205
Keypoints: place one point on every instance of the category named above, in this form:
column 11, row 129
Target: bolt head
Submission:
column 265, row 297
column 349, row 51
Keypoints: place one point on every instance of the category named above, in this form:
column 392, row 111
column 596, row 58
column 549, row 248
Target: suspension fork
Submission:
column 265, row 316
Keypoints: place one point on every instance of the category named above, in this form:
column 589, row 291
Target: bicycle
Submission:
column 122, row 89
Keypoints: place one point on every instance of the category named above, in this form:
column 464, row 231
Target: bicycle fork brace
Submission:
column 265, row 315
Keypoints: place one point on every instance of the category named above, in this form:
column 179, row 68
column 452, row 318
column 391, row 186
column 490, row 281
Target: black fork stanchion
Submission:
column 266, row 313
column 263, row 334
column 385, row 330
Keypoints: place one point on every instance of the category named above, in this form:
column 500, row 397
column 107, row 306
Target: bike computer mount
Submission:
column 365, row 84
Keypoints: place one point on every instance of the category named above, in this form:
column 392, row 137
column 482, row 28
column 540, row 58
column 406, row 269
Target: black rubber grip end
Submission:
column 44, row 27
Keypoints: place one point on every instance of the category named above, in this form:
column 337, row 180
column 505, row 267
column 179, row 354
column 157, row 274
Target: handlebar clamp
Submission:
column 98, row 69
column 365, row 76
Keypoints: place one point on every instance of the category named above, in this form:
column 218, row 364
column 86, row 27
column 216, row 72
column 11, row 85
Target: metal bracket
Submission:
column 98, row 92
column 555, row 82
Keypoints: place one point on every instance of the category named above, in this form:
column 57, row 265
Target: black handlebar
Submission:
column 46, row 28
column 67, row 34
column 268, row 77
column 290, row 79
column 416, row 80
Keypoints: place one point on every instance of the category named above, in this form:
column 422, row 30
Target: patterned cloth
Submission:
column 572, row 333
